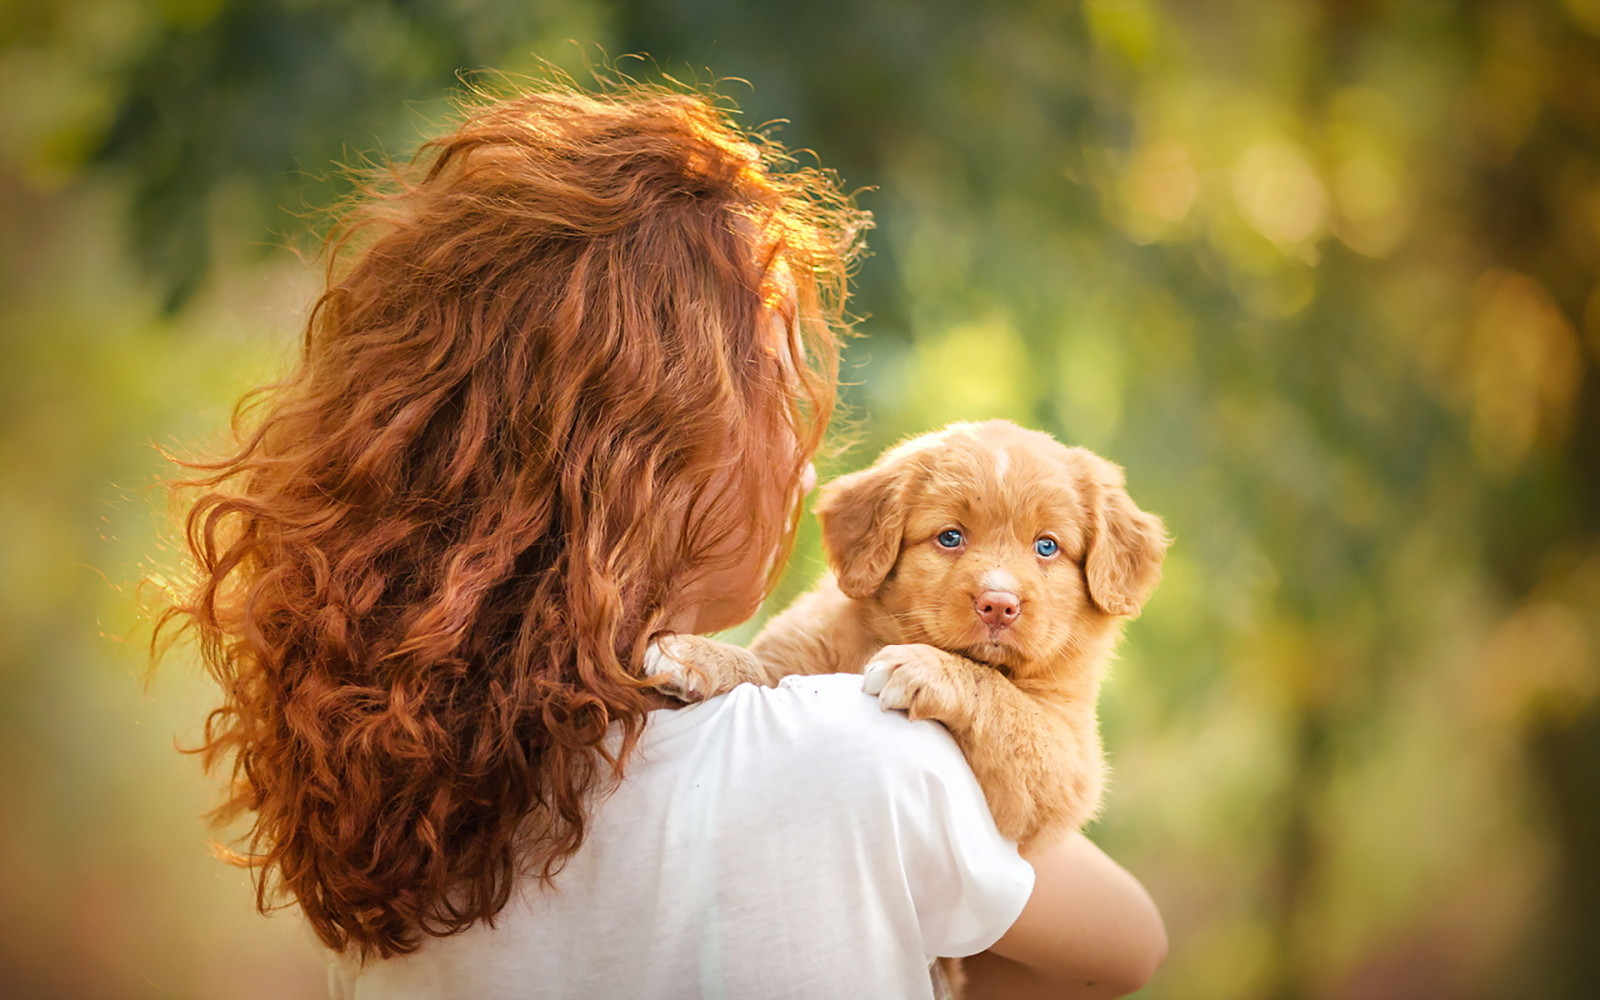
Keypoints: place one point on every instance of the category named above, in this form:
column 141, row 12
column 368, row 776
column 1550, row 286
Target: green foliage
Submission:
column 1321, row 276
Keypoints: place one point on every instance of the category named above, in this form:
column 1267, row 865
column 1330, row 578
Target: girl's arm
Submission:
column 1088, row 930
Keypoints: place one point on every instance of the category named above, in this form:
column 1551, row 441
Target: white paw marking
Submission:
column 885, row 676
column 677, row 680
column 896, row 693
column 876, row 675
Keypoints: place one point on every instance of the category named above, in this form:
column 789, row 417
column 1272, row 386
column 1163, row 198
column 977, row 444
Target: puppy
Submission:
column 980, row 576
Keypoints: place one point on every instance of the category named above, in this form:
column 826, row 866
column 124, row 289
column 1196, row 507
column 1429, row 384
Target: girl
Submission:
column 559, row 398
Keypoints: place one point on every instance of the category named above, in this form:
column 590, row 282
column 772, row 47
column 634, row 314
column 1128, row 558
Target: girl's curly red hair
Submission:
column 539, row 391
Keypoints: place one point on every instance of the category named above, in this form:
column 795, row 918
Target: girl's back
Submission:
column 787, row 842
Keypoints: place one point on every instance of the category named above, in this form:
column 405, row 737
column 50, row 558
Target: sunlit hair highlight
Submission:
column 543, row 385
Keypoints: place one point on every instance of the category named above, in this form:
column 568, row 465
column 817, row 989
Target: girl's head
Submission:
column 559, row 396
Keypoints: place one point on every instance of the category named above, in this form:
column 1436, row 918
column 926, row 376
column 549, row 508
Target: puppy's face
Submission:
column 996, row 543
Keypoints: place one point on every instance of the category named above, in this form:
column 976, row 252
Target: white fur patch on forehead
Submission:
column 927, row 442
column 994, row 439
column 1002, row 463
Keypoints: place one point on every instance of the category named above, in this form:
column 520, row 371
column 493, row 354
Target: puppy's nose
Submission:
column 997, row 608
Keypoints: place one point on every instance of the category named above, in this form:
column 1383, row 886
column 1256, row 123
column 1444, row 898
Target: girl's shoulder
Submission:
column 810, row 728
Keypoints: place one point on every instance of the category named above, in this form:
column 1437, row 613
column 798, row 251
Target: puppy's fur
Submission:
column 903, row 607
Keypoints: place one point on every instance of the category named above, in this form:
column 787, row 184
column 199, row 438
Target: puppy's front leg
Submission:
column 1039, row 763
column 693, row 668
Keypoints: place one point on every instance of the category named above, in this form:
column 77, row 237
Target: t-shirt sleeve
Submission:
column 968, row 882
column 920, row 808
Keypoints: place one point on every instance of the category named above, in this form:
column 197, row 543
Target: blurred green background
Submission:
column 1321, row 275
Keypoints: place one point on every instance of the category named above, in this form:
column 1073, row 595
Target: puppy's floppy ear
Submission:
column 863, row 517
column 1126, row 545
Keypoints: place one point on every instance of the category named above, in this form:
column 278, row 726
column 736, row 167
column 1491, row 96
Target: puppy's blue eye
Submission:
column 950, row 538
column 1046, row 547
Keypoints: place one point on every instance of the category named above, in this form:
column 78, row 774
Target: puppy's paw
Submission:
column 671, row 675
column 692, row 668
column 921, row 681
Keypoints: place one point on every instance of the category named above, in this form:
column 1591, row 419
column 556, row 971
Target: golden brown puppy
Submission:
column 980, row 576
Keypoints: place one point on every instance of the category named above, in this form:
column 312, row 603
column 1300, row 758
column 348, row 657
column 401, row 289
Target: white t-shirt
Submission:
column 790, row 842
